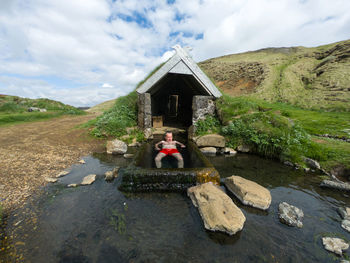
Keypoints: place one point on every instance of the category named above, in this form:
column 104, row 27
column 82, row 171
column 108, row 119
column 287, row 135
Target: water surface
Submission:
column 98, row 223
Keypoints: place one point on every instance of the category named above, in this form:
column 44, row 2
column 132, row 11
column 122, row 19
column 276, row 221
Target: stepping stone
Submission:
column 249, row 192
column 89, row 179
column 216, row 208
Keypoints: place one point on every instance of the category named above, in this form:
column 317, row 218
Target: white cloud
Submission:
column 107, row 85
column 102, row 49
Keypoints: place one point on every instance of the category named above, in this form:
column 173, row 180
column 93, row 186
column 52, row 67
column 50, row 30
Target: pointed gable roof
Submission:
column 181, row 63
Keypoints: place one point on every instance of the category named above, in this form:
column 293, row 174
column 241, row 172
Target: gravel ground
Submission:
column 29, row 152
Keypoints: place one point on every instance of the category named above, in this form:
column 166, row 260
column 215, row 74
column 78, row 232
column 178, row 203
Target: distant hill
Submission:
column 14, row 104
column 307, row 77
column 99, row 108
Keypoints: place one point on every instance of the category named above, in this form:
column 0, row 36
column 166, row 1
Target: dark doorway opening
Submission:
column 171, row 98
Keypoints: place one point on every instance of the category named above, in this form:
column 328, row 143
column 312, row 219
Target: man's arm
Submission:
column 157, row 144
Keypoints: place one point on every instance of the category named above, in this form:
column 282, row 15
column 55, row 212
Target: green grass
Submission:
column 14, row 110
column 315, row 122
column 114, row 122
column 284, row 132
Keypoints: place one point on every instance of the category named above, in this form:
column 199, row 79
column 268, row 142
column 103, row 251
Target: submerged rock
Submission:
column 116, row 147
column 82, row 161
column 290, row 215
column 335, row 185
column 334, row 244
column 110, row 175
column 249, row 192
column 211, row 140
column 128, row 155
column 208, row 150
column 216, row 208
column 89, row 179
column 72, row 185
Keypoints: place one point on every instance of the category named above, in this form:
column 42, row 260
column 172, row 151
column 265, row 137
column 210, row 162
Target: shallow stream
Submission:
column 98, row 223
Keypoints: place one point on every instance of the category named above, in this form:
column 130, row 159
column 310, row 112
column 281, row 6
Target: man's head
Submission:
column 168, row 136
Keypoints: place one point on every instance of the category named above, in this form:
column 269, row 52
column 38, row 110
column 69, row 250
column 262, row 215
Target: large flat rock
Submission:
column 216, row 208
column 211, row 140
column 249, row 192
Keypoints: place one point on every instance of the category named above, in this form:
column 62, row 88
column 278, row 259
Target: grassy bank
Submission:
column 119, row 120
column 281, row 131
column 14, row 109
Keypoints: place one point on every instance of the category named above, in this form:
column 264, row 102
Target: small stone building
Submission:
column 177, row 94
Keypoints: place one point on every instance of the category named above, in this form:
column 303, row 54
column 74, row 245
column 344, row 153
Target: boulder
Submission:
column 249, row 192
column 216, row 208
column 288, row 163
column 89, row 179
column 208, row 150
column 312, row 163
column 290, row 215
column 213, row 140
column 243, row 148
column 335, row 185
column 30, row 109
column 334, row 244
column 116, row 147
column 230, row 151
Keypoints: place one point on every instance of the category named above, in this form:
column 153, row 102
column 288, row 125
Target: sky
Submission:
column 83, row 52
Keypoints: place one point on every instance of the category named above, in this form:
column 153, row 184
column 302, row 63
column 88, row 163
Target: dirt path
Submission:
column 30, row 152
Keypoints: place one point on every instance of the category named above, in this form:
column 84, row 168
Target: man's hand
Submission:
column 183, row 146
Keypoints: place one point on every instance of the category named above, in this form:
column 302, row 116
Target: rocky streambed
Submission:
column 99, row 223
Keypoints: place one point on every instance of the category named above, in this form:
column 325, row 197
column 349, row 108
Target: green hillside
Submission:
column 14, row 109
column 317, row 78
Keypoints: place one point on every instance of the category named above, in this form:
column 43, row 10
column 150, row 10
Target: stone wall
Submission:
column 144, row 111
column 202, row 106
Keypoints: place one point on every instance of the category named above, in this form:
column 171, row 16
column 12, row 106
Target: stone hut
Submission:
column 176, row 95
